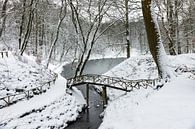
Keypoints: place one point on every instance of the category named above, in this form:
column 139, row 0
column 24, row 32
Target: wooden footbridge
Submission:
column 111, row 82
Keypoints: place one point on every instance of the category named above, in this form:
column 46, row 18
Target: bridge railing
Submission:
column 113, row 81
column 22, row 94
column 3, row 54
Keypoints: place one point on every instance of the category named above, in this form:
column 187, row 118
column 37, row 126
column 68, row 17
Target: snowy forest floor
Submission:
column 172, row 107
column 52, row 109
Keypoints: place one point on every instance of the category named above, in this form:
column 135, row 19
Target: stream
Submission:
column 90, row 118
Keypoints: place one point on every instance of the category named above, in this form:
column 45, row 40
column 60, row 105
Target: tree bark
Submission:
column 154, row 38
column 28, row 29
column 3, row 17
column 172, row 27
column 177, row 28
column 89, row 35
column 127, row 27
column 22, row 24
column 61, row 18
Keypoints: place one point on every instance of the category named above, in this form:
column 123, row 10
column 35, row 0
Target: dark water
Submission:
column 90, row 118
column 98, row 66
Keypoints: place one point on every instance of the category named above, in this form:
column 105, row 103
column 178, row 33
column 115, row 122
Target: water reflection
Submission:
column 90, row 117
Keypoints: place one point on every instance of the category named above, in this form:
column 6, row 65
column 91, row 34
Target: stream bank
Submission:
column 90, row 118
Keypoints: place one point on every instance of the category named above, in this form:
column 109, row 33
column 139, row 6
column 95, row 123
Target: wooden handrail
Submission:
column 2, row 54
column 112, row 82
column 138, row 80
column 8, row 98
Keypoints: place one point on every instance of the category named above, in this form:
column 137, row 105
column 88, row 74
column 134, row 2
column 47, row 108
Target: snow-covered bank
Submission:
column 15, row 74
column 172, row 107
column 52, row 109
column 143, row 67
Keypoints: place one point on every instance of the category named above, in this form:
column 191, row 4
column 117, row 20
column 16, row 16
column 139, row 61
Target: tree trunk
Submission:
column 154, row 38
column 28, row 29
column 177, row 27
column 22, row 24
column 61, row 18
column 87, row 42
column 36, row 33
column 172, row 28
column 127, row 27
column 3, row 17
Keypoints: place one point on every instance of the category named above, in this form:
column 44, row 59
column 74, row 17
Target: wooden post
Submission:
column 28, row 94
column 87, row 94
column 2, row 54
column 41, row 89
column 104, row 95
column 8, row 100
column 154, row 82
column 54, row 80
column 6, row 53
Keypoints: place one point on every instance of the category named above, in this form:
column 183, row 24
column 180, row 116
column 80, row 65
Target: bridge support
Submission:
column 104, row 96
column 87, row 94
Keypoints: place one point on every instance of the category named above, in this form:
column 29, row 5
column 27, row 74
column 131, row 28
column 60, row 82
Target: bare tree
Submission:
column 127, row 27
column 95, row 11
column 22, row 24
column 192, row 25
column 29, row 27
column 172, row 27
column 62, row 15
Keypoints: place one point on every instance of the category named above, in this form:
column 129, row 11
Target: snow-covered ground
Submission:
column 172, row 107
column 53, row 109
column 143, row 66
column 17, row 74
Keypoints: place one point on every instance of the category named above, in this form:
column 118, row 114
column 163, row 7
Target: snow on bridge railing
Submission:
column 112, row 82
column 22, row 94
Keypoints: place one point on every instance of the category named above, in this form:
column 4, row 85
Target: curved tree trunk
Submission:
column 154, row 38
column 22, row 24
column 62, row 15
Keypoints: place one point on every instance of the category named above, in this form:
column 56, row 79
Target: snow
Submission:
column 172, row 107
column 108, row 53
column 53, row 109
column 38, row 101
column 21, row 73
column 112, row 53
column 142, row 67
